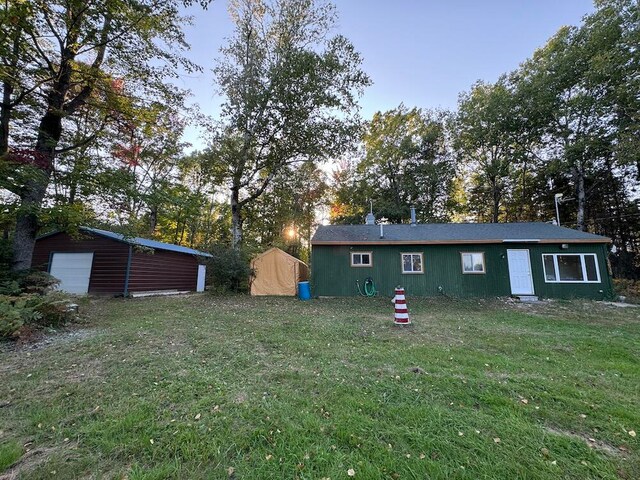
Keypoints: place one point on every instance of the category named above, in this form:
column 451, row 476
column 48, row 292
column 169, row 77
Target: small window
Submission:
column 411, row 262
column 472, row 262
column 571, row 268
column 361, row 259
column 549, row 268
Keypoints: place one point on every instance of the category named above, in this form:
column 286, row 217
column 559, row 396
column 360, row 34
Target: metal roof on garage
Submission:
column 145, row 242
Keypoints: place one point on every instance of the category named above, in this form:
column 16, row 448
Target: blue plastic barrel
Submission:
column 304, row 291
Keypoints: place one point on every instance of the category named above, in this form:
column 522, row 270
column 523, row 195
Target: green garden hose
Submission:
column 369, row 288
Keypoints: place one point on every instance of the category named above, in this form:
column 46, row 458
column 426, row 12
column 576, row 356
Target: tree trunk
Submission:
column 236, row 219
column 24, row 235
column 495, row 208
column 33, row 193
column 153, row 219
column 582, row 200
column 5, row 117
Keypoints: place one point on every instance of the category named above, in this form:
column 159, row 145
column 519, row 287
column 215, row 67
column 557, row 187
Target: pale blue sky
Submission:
column 422, row 53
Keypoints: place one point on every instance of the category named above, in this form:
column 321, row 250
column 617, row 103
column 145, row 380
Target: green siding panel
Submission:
column 332, row 275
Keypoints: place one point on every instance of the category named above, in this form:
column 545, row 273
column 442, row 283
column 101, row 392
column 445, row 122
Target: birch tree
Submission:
column 290, row 91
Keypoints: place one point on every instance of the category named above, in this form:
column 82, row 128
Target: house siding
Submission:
column 332, row 275
column 162, row 270
column 108, row 270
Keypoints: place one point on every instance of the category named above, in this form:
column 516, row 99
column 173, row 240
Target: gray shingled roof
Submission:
column 145, row 242
column 452, row 233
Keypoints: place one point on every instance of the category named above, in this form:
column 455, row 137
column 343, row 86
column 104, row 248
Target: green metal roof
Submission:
column 531, row 232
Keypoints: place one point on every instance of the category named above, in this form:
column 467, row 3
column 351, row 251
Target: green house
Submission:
column 461, row 260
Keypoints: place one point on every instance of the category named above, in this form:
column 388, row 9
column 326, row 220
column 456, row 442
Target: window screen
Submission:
column 473, row 262
column 361, row 259
column 570, row 268
column 411, row 263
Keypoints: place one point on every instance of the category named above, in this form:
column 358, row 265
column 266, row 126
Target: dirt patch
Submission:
column 621, row 304
column 44, row 340
column 29, row 461
column 240, row 398
column 590, row 441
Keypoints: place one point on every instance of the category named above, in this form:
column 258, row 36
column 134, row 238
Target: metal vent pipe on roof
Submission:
column 413, row 216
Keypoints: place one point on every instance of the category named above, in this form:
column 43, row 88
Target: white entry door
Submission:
column 520, row 272
column 73, row 270
column 202, row 272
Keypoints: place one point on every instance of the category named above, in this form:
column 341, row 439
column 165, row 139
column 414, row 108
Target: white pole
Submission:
column 556, row 199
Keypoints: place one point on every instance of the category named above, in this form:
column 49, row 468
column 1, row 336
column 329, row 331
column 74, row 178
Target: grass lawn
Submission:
column 257, row 388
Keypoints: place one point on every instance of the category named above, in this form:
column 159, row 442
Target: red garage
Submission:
column 108, row 263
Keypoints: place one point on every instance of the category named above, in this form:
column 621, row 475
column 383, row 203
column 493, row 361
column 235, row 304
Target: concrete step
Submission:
column 527, row 298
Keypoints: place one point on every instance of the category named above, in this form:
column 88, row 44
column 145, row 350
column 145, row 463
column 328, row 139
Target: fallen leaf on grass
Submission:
column 197, row 417
column 268, row 457
column 632, row 433
column 351, row 472
column 525, row 401
column 496, row 439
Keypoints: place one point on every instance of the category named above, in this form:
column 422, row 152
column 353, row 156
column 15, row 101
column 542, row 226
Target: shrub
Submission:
column 15, row 313
column 26, row 302
column 630, row 289
column 228, row 270
column 27, row 281
column 29, row 310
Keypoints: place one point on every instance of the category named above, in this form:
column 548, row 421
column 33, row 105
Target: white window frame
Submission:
column 421, row 272
column 362, row 265
column 473, row 272
column 583, row 265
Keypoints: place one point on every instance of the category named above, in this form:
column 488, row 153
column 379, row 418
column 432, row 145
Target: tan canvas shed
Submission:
column 277, row 273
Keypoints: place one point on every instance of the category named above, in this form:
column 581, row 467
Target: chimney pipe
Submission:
column 370, row 219
column 381, row 231
column 413, row 216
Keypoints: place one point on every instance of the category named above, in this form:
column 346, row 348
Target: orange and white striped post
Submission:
column 401, row 316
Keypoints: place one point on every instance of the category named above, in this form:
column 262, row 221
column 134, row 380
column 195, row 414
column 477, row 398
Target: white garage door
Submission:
column 73, row 270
